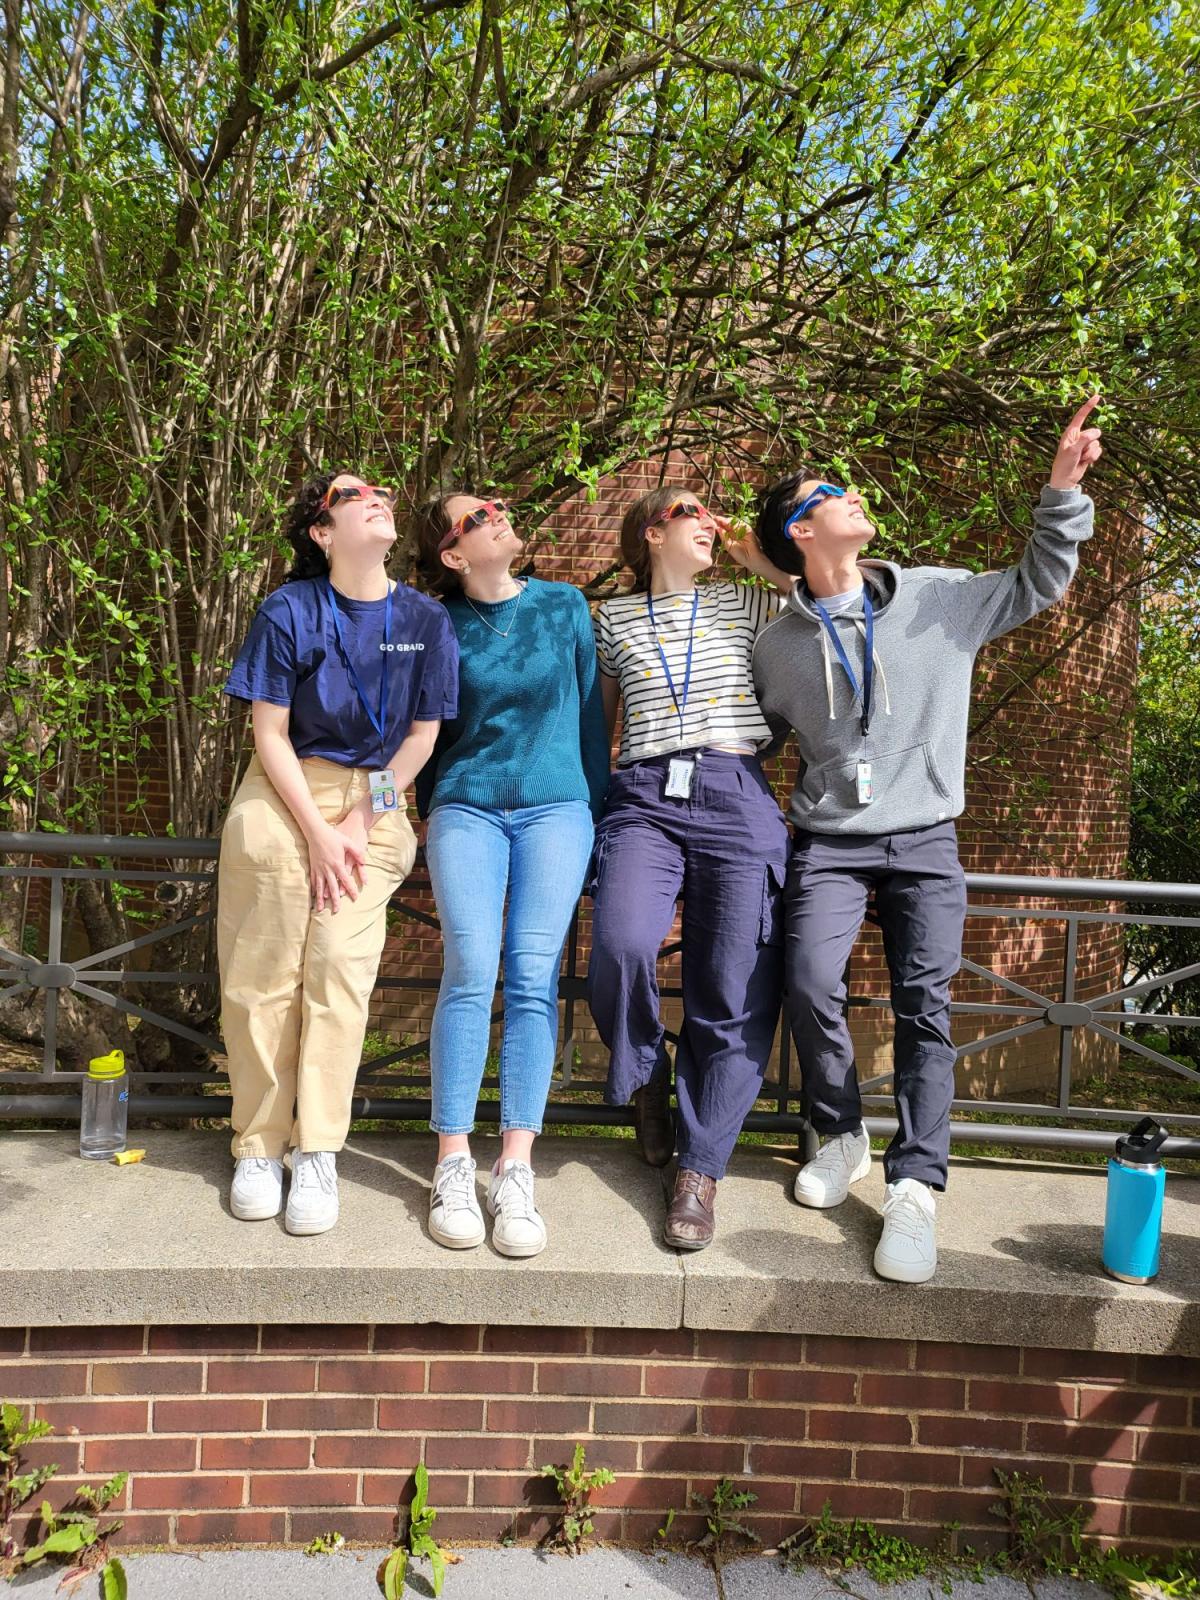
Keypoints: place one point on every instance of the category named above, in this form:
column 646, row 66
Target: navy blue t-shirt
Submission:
column 292, row 657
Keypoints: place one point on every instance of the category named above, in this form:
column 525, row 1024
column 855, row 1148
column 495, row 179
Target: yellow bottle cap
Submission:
column 110, row 1066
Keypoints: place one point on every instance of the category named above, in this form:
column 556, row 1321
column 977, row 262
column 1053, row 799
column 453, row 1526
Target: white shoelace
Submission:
column 835, row 1153
column 455, row 1188
column 514, row 1193
column 906, row 1214
column 315, row 1170
column 256, row 1164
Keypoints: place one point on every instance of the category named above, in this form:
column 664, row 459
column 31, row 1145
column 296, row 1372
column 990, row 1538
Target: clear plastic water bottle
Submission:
column 105, row 1107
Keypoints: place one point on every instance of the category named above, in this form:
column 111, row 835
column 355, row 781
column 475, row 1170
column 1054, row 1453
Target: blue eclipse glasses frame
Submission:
column 823, row 491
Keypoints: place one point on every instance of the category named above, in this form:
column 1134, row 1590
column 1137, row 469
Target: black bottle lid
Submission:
column 1140, row 1146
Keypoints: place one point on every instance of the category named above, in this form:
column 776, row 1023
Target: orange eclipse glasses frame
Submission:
column 685, row 506
column 336, row 493
column 489, row 510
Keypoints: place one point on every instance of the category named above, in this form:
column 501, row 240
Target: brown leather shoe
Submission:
column 654, row 1121
column 690, row 1221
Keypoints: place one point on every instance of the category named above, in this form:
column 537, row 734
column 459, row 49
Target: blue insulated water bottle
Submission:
column 1134, row 1206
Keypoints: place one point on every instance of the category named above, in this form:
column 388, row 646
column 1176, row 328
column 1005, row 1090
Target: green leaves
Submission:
column 17, row 1483
column 872, row 233
column 67, row 1539
column 16, row 1432
column 27, row 1484
column 113, row 1582
column 575, row 1487
column 722, row 1516
column 392, row 1573
column 417, row 1541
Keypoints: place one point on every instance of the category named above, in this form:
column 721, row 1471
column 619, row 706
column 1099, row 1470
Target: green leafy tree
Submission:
column 1166, row 800
column 530, row 247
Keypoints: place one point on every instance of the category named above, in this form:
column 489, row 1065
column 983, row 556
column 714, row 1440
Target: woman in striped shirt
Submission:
column 688, row 810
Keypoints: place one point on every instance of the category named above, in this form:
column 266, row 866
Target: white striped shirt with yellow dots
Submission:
column 721, row 706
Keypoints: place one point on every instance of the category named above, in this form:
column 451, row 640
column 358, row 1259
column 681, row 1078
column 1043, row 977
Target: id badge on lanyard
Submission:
column 681, row 770
column 864, row 781
column 384, row 794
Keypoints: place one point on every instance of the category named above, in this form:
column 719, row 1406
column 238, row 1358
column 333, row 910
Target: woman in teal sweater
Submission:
column 511, row 794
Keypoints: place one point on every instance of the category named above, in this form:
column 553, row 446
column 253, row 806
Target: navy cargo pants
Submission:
column 920, row 899
column 726, row 848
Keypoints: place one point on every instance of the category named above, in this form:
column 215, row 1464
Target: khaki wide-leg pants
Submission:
column 295, row 984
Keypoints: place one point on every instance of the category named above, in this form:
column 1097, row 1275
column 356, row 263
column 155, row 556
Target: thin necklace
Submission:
column 503, row 632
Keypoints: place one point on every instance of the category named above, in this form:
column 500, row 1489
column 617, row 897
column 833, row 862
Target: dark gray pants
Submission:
column 920, row 899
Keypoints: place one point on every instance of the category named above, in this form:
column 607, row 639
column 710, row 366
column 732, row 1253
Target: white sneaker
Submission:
column 257, row 1189
column 313, row 1197
column 907, row 1252
column 826, row 1179
column 455, row 1219
column 518, row 1229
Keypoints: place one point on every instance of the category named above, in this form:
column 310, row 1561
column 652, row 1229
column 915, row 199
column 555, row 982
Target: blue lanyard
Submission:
column 379, row 723
column 680, row 706
column 865, row 693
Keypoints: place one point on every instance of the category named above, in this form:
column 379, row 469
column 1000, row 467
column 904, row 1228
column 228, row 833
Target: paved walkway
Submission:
column 528, row 1574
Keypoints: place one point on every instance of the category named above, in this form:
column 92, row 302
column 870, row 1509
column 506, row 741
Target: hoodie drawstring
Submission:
column 827, row 659
column 828, row 672
column 887, row 703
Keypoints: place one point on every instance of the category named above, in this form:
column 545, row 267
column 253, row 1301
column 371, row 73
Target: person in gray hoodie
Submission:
column 870, row 664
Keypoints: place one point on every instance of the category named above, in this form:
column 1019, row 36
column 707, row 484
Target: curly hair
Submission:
column 428, row 526
column 775, row 504
column 305, row 512
column 635, row 552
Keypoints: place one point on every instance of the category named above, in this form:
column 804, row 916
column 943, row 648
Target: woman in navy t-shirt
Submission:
column 349, row 676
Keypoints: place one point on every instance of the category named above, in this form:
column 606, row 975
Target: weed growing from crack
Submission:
column 575, row 1487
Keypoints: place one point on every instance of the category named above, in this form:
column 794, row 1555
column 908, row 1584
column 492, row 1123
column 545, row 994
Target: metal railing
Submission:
column 100, row 976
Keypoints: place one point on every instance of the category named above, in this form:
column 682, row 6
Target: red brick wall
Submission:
column 272, row 1435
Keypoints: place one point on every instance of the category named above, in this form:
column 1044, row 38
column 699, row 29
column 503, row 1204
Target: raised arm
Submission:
column 745, row 552
column 984, row 606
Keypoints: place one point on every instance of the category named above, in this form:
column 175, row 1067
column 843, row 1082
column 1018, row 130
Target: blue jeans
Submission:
column 537, row 856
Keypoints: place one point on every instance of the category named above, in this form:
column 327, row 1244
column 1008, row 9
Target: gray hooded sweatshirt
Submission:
column 930, row 622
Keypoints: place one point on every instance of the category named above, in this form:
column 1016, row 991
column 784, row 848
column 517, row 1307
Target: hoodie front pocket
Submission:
column 899, row 777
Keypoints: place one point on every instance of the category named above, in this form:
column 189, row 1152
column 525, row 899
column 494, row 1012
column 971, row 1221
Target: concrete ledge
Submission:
column 1018, row 1263
column 154, row 1243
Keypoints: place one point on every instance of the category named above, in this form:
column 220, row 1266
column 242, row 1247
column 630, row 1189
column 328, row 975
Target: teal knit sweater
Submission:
column 530, row 727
